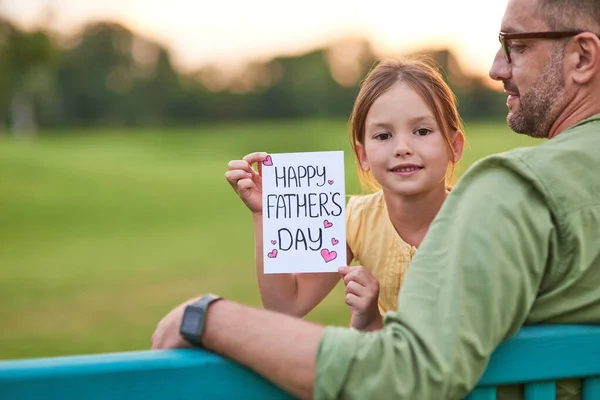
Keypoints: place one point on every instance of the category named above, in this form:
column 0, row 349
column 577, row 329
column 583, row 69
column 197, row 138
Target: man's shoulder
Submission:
column 562, row 169
column 577, row 143
column 509, row 176
column 517, row 160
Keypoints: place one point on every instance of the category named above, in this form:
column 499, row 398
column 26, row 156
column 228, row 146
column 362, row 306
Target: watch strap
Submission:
column 196, row 311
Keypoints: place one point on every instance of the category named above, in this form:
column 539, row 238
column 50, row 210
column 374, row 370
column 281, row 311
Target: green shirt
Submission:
column 516, row 242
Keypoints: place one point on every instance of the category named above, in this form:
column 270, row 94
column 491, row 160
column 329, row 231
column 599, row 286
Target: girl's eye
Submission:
column 423, row 132
column 383, row 136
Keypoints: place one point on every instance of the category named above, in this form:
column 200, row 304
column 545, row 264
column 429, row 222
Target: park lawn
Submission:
column 103, row 231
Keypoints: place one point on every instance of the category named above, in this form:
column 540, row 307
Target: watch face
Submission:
column 191, row 321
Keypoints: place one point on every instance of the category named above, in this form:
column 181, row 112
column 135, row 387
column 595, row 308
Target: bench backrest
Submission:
column 536, row 356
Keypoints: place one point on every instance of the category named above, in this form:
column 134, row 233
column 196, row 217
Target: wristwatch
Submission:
column 194, row 317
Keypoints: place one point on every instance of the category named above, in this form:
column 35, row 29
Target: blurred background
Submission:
column 118, row 119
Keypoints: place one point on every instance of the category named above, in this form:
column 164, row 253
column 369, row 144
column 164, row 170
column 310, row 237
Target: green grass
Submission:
column 102, row 232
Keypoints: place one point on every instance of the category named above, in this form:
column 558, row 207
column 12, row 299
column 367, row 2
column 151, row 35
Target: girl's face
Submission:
column 404, row 147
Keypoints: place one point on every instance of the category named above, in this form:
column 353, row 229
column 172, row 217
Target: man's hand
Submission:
column 166, row 335
column 362, row 293
column 281, row 348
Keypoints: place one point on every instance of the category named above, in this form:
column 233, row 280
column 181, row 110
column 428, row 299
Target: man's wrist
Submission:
column 193, row 321
column 208, row 334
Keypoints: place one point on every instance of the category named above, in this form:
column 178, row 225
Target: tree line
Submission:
column 108, row 75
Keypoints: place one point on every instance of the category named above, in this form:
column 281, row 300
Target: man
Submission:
column 517, row 242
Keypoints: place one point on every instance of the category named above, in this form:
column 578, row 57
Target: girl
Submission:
column 407, row 137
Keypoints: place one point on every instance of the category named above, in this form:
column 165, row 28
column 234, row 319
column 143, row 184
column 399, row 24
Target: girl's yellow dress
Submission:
column 377, row 246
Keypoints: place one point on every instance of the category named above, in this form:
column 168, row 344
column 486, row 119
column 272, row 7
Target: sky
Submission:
column 201, row 31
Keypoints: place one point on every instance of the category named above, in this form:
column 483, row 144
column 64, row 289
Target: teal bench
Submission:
column 537, row 356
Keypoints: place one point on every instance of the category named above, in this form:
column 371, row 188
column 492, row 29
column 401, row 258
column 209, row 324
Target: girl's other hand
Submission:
column 362, row 293
column 245, row 181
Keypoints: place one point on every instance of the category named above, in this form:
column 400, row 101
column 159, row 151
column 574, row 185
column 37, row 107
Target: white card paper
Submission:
column 304, row 209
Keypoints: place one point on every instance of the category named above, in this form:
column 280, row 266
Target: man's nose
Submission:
column 500, row 69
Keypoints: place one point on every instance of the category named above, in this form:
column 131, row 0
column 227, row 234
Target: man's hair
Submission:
column 571, row 14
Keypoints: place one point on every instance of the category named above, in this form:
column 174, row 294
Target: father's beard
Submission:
column 540, row 106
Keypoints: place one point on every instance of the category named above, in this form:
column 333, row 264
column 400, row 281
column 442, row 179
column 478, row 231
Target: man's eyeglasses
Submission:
column 505, row 38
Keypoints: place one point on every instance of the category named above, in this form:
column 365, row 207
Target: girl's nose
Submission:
column 403, row 147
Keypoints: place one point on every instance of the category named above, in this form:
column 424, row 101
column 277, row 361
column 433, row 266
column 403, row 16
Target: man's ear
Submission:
column 584, row 57
column 362, row 157
column 458, row 145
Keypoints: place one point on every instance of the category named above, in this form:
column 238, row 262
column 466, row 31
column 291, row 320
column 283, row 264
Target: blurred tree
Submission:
column 95, row 73
column 26, row 61
column 6, row 69
column 475, row 99
column 110, row 75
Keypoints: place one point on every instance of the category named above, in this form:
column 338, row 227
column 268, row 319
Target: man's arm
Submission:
column 283, row 348
column 279, row 347
column 470, row 286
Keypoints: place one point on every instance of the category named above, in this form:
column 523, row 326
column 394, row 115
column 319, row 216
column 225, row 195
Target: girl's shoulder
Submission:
column 366, row 201
column 364, row 214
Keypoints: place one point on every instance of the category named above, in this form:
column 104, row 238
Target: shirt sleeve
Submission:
column 470, row 286
column 353, row 226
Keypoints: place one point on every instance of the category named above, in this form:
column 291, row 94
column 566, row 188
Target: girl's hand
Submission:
column 362, row 292
column 246, row 182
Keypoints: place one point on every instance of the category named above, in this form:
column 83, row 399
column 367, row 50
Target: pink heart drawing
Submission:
column 334, row 241
column 268, row 161
column 273, row 241
column 330, row 182
column 272, row 254
column 328, row 255
column 327, row 224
